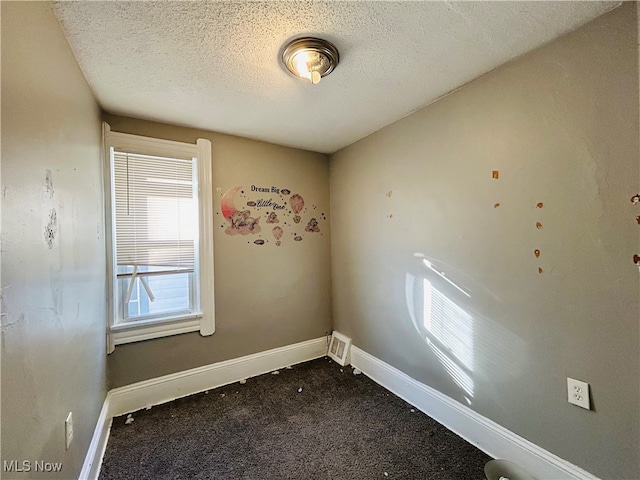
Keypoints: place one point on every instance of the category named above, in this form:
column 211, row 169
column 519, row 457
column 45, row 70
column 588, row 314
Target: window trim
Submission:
column 203, row 320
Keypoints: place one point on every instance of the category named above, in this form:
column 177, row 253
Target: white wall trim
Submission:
column 93, row 459
column 159, row 390
column 488, row 436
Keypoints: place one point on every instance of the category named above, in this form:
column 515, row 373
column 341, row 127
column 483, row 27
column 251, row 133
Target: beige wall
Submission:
column 267, row 296
column 53, row 296
column 561, row 127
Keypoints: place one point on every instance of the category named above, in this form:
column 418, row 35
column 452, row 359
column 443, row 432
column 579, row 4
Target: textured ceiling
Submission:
column 215, row 65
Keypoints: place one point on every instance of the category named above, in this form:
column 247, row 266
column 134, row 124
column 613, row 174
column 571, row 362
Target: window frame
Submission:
column 202, row 320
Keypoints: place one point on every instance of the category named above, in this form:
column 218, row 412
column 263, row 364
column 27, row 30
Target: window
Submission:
column 159, row 242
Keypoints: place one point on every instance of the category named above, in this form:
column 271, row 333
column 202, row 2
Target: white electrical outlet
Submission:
column 68, row 429
column 578, row 393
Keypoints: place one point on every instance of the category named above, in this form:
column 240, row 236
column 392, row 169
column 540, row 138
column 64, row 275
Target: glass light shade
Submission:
column 310, row 58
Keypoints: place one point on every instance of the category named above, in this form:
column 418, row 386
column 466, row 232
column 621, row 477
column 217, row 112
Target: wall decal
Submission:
column 241, row 220
column 277, row 234
column 248, row 209
column 312, row 226
column 297, row 204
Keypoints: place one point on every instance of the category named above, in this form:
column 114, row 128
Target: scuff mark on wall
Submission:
column 51, row 228
column 6, row 322
column 48, row 184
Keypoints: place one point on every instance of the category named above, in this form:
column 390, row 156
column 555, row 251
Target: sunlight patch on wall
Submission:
column 449, row 333
column 446, row 327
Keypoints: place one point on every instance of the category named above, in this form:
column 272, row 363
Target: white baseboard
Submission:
column 488, row 436
column 159, row 390
column 93, row 459
column 169, row 387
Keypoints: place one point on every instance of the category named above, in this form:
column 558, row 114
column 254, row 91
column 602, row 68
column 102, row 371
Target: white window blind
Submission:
column 155, row 211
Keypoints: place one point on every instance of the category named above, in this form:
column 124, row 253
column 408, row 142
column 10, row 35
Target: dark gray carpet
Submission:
column 340, row 426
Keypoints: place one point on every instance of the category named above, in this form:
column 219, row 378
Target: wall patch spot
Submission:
column 389, row 193
column 51, row 228
column 495, row 174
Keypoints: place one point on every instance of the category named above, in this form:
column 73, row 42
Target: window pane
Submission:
column 155, row 295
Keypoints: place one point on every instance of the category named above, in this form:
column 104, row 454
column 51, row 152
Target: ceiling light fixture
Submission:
column 310, row 58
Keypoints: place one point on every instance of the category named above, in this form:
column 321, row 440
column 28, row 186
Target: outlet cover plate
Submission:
column 578, row 393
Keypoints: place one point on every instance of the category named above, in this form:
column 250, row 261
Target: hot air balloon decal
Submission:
column 277, row 234
column 297, row 204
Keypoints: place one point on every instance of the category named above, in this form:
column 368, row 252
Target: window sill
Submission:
column 149, row 329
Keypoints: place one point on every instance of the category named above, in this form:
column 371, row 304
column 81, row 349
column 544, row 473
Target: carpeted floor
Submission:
column 316, row 420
